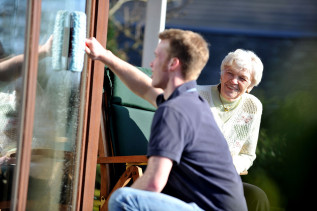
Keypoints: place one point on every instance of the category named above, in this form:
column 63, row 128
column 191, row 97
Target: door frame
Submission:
column 97, row 21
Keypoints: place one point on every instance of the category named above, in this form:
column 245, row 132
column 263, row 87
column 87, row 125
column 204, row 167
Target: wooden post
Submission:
column 155, row 23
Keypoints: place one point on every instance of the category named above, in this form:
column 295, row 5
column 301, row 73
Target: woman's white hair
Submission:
column 244, row 60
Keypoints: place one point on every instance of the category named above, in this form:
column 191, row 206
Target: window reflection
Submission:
column 56, row 134
column 12, row 21
column 53, row 177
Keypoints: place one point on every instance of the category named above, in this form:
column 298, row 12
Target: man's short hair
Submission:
column 190, row 48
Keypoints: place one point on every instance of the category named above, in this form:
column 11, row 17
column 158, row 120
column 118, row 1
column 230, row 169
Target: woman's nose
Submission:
column 234, row 80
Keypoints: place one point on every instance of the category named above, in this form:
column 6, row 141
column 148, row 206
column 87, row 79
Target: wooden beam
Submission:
column 98, row 28
column 154, row 24
column 123, row 159
column 28, row 104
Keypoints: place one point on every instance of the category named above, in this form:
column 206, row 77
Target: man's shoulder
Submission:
column 186, row 101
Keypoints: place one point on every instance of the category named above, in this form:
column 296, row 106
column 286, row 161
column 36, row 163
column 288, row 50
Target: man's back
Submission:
column 185, row 131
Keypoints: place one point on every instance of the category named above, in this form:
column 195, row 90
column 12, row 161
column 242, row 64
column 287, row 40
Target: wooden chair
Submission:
column 125, row 131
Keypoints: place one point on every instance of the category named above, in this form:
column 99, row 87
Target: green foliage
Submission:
column 97, row 202
column 97, row 189
column 112, row 43
column 286, row 146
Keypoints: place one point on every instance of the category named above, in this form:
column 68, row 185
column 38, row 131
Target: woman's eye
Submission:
column 243, row 79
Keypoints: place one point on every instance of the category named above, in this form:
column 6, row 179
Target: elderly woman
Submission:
column 238, row 114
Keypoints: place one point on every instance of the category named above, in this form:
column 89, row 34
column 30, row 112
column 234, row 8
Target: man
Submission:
column 189, row 159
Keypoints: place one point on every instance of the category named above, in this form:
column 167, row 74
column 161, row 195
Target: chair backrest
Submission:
column 129, row 117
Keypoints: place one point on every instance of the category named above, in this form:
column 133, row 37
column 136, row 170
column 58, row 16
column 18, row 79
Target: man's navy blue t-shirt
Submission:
column 184, row 130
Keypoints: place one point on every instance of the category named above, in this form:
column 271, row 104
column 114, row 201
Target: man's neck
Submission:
column 172, row 85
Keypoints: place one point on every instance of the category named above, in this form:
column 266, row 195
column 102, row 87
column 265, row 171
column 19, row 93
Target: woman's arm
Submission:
column 244, row 160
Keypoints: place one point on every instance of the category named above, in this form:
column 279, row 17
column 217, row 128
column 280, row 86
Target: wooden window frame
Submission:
column 99, row 10
column 97, row 13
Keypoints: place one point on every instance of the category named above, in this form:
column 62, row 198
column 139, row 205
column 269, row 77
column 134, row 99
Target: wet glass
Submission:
column 57, row 120
column 12, row 35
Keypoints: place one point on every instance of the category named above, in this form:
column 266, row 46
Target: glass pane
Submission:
column 12, row 34
column 56, row 133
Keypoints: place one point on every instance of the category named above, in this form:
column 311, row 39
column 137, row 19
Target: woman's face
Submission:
column 234, row 82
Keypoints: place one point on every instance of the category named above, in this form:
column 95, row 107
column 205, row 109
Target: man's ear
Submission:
column 173, row 63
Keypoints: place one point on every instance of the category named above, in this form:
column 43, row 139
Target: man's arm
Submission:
column 11, row 69
column 132, row 77
column 156, row 174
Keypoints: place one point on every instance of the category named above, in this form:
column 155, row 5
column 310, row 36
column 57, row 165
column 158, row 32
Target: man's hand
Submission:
column 46, row 49
column 7, row 160
column 94, row 49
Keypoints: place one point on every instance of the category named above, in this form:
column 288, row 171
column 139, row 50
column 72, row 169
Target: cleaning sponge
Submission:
column 61, row 32
column 77, row 41
column 68, row 48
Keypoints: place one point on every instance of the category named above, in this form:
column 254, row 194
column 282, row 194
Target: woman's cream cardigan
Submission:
column 241, row 129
